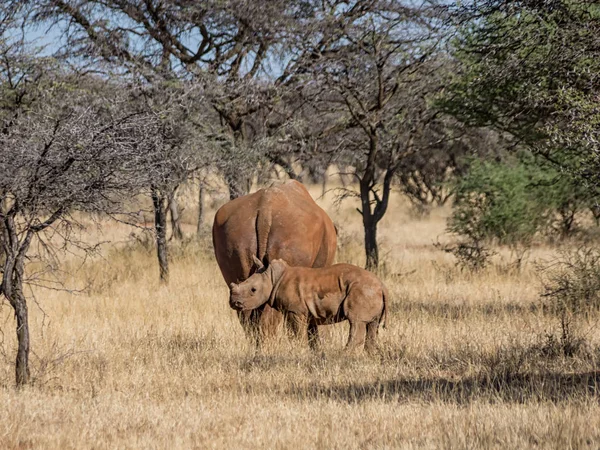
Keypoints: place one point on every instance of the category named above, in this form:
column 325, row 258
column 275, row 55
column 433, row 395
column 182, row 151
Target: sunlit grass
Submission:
column 463, row 363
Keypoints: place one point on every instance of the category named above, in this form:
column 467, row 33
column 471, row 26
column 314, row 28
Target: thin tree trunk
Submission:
column 22, row 363
column 371, row 248
column 200, row 210
column 14, row 293
column 343, row 180
column 369, row 227
column 160, row 227
column 175, row 219
column 373, row 211
column 238, row 185
column 15, row 296
column 12, row 288
column 370, row 216
column 287, row 168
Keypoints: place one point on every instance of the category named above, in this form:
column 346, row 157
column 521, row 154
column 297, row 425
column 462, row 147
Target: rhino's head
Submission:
column 257, row 289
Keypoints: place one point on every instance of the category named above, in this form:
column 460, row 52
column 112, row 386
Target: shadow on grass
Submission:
column 520, row 388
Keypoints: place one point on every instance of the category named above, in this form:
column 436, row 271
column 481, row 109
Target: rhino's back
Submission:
column 277, row 222
column 338, row 277
column 330, row 293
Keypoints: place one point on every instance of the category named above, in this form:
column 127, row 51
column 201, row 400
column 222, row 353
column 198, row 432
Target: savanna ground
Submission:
column 466, row 361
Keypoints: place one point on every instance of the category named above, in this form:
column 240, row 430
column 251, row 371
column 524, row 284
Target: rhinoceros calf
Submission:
column 313, row 297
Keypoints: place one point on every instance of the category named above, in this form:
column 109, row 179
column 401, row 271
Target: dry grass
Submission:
column 464, row 361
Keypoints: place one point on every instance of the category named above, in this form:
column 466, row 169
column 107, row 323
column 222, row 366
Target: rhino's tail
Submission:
column 384, row 313
column 263, row 228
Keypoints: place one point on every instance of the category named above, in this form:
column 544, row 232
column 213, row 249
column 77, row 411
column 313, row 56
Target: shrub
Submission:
column 471, row 255
column 509, row 203
column 497, row 201
column 494, row 202
column 571, row 283
column 571, row 289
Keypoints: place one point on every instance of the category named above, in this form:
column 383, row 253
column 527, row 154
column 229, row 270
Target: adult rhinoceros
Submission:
column 278, row 222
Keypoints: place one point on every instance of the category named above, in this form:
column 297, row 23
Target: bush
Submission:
column 497, row 202
column 571, row 289
column 562, row 195
column 473, row 255
column 510, row 202
column 494, row 202
column 571, row 284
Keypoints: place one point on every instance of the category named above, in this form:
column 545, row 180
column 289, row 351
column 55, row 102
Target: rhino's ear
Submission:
column 258, row 264
column 277, row 268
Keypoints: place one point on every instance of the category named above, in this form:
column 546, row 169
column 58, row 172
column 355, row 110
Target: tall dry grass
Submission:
column 465, row 362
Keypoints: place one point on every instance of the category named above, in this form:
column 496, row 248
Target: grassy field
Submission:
column 466, row 361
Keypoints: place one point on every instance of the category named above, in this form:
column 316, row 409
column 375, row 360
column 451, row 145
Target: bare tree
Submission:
column 64, row 149
column 260, row 62
column 366, row 95
column 174, row 156
column 202, row 193
column 201, row 208
column 231, row 45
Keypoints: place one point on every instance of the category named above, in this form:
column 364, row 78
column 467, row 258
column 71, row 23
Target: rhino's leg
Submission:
column 269, row 321
column 313, row 335
column 356, row 339
column 298, row 325
column 372, row 331
column 260, row 323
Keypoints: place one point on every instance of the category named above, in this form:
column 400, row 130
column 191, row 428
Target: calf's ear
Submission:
column 258, row 264
column 277, row 267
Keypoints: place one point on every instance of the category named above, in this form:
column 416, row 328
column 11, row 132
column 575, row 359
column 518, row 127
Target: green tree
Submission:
column 532, row 71
column 498, row 202
column 510, row 202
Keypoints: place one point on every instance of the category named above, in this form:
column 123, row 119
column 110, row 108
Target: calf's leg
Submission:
column 372, row 331
column 269, row 321
column 298, row 325
column 260, row 323
column 356, row 339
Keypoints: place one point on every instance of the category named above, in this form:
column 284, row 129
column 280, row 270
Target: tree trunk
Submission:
column 371, row 248
column 22, row 364
column 238, row 185
column 160, row 227
column 200, row 210
column 316, row 172
column 17, row 300
column 175, row 219
column 12, row 288
column 286, row 166
column 370, row 228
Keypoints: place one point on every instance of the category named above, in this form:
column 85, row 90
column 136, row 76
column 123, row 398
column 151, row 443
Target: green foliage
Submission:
column 498, row 202
column 562, row 194
column 565, row 198
column 532, row 70
column 511, row 202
